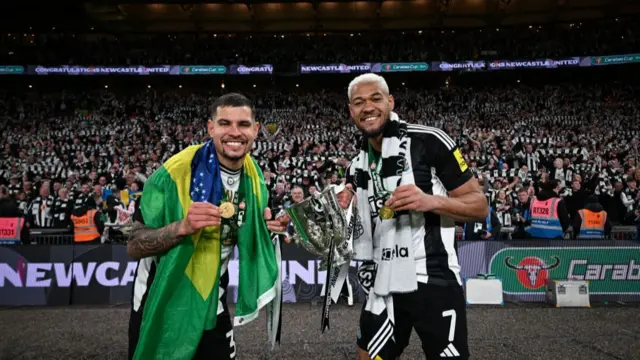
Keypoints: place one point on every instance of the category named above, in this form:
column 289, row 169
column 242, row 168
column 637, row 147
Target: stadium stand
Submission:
column 607, row 37
column 108, row 140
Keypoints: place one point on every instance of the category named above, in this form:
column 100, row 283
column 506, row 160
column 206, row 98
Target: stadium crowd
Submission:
column 62, row 149
column 594, row 38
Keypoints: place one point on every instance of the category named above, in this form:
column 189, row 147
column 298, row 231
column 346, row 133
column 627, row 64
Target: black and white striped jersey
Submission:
column 40, row 212
column 62, row 209
column 438, row 167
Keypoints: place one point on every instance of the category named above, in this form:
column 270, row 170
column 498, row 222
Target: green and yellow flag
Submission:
column 183, row 299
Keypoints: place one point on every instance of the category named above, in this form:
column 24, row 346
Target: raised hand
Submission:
column 200, row 215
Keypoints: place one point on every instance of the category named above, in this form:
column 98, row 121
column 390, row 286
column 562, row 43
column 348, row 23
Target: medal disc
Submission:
column 386, row 213
column 227, row 210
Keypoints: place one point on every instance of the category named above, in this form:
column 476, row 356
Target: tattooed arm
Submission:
column 144, row 241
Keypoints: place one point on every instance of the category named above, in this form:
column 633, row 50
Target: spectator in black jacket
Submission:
column 489, row 229
column 577, row 199
column 520, row 214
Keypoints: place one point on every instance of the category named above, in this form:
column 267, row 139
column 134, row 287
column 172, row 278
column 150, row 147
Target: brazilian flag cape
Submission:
column 183, row 299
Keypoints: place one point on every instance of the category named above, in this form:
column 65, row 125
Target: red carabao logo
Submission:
column 532, row 271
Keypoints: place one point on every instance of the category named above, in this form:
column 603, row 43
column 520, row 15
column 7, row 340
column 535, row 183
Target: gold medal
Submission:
column 386, row 213
column 227, row 210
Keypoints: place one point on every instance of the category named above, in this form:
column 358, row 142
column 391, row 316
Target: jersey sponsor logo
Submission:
column 461, row 163
column 389, row 254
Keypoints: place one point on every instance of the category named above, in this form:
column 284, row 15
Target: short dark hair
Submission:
column 232, row 100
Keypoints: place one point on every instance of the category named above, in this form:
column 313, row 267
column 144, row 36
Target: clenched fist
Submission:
column 200, row 215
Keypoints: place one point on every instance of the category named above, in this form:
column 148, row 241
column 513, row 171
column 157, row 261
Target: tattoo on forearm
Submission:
column 144, row 241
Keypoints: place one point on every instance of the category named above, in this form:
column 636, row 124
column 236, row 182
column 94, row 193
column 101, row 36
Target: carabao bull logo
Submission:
column 532, row 271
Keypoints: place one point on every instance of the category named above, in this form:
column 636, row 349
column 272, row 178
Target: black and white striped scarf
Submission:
column 391, row 273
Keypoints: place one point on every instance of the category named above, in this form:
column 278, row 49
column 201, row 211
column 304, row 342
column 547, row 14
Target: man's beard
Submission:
column 377, row 132
column 232, row 158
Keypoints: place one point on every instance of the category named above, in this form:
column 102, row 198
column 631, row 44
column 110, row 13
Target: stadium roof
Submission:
column 301, row 16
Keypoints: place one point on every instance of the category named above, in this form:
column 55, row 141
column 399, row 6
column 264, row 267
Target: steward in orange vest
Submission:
column 592, row 222
column 87, row 224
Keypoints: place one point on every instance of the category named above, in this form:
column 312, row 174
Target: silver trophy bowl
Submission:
column 319, row 219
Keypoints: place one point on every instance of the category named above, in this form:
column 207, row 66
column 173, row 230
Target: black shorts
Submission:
column 438, row 313
column 218, row 343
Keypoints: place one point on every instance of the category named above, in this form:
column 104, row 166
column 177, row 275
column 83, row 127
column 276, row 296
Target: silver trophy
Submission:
column 319, row 219
column 324, row 228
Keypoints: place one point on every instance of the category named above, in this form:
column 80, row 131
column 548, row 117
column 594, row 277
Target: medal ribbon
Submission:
column 378, row 187
column 375, row 169
column 234, row 197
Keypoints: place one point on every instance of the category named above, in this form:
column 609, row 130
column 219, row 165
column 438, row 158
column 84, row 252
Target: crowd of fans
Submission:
column 607, row 37
column 65, row 148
